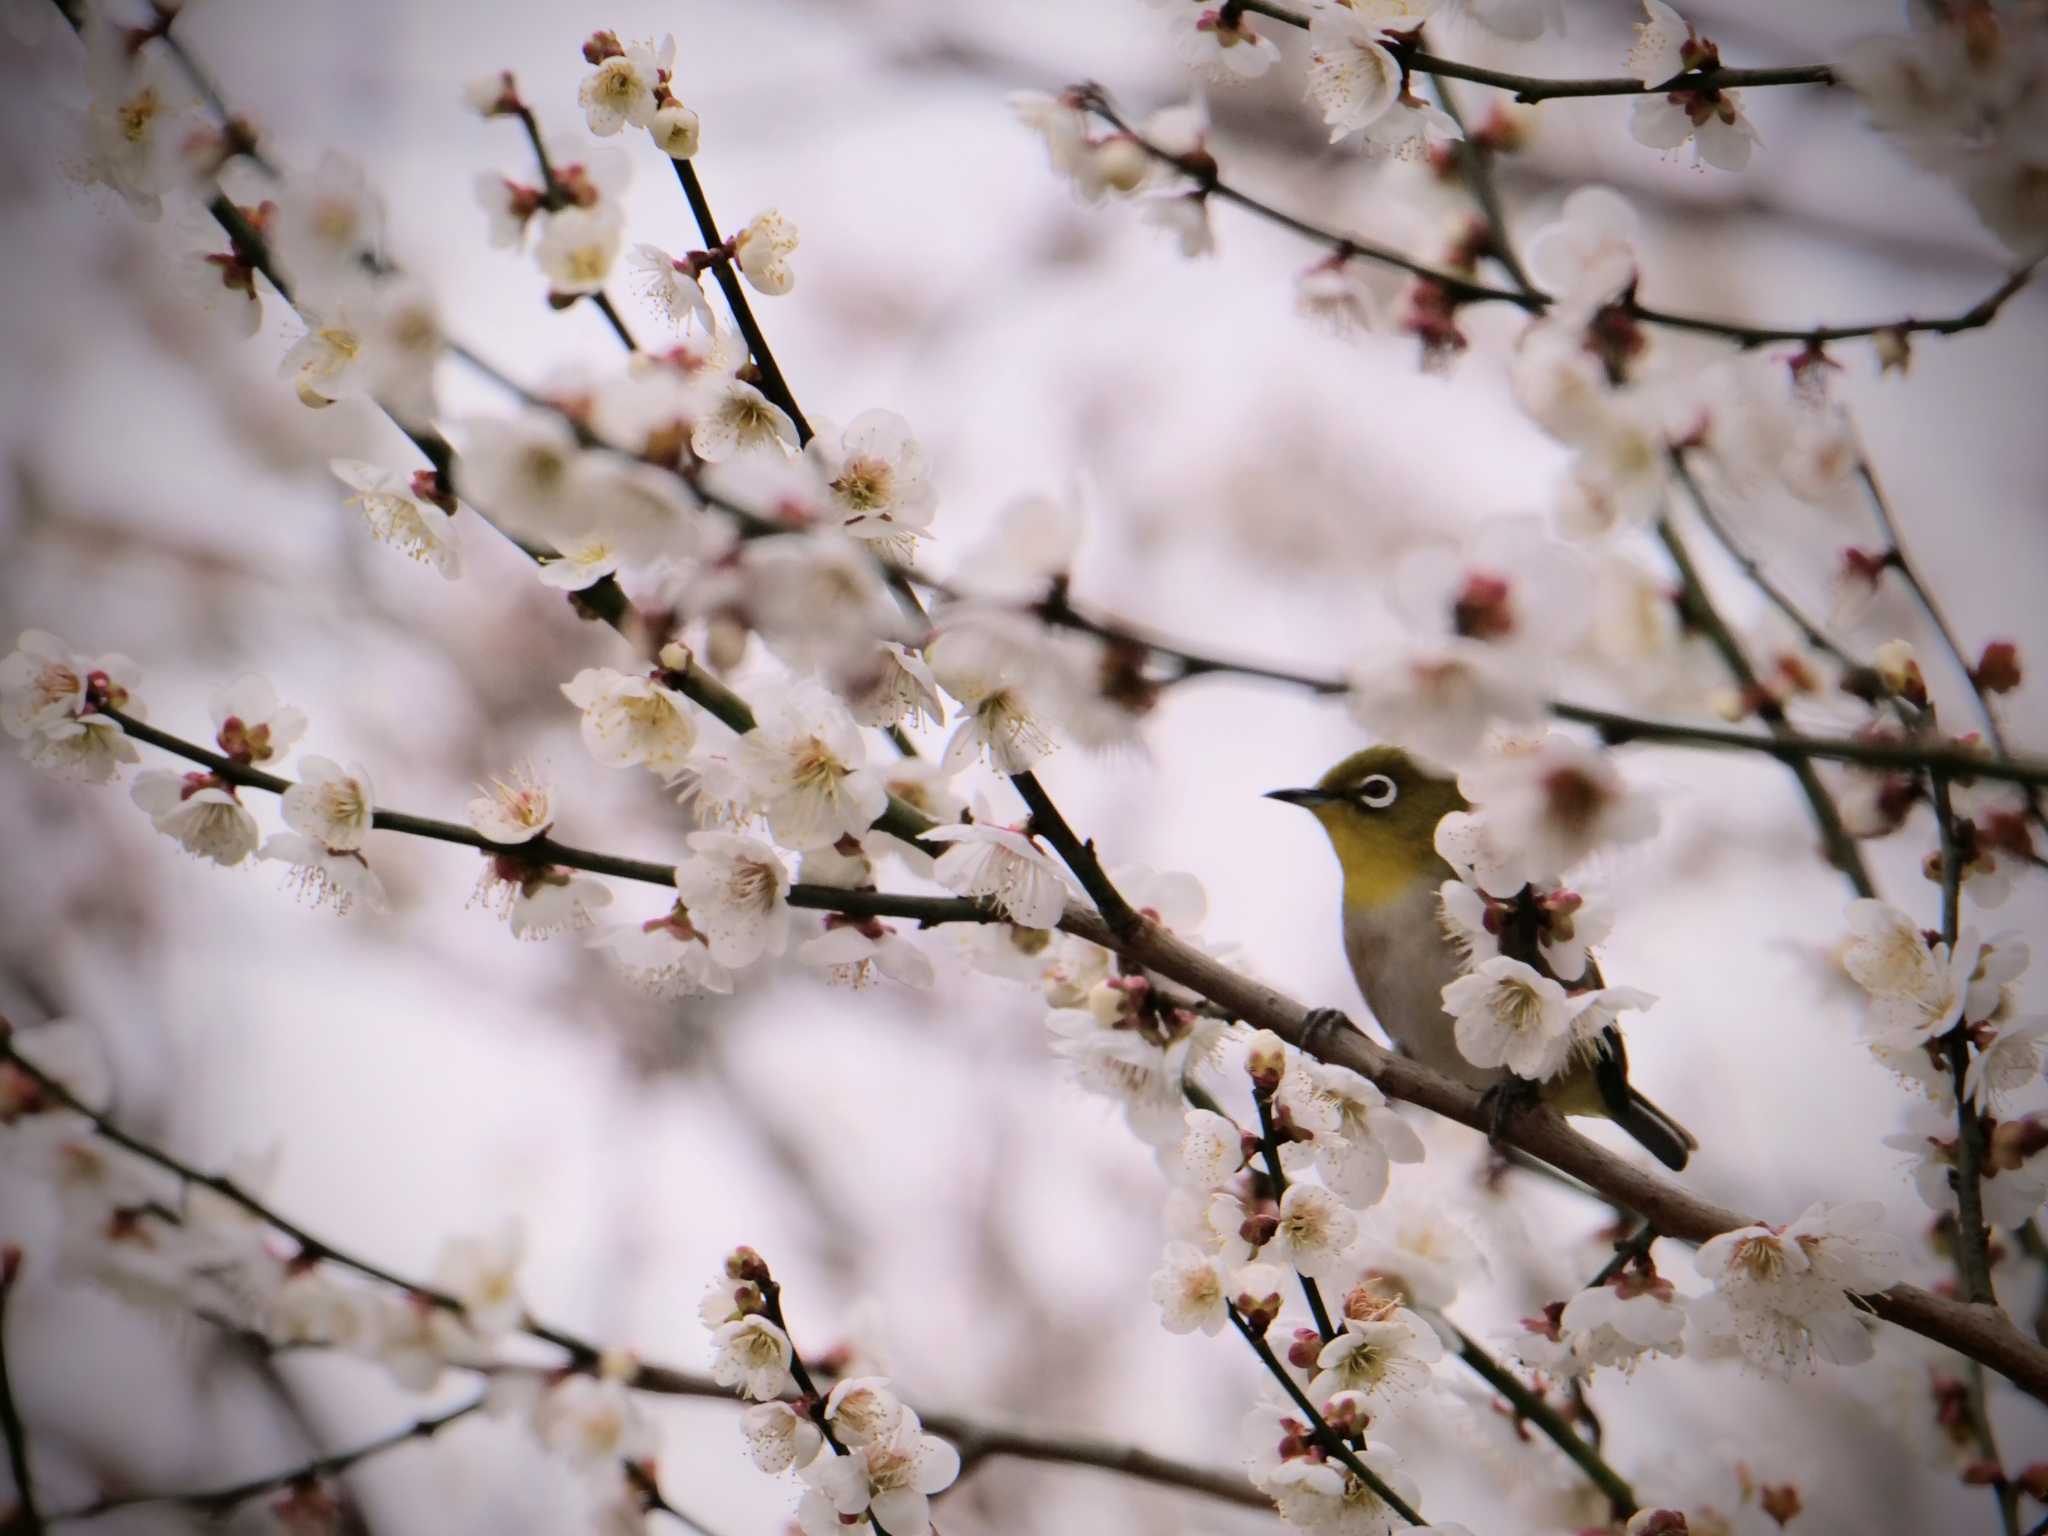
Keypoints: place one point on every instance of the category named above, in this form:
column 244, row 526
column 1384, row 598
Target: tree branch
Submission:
column 1979, row 1332
column 1078, row 855
column 220, row 1501
column 1530, row 1406
column 1463, row 290
column 1836, row 842
column 25, row 1519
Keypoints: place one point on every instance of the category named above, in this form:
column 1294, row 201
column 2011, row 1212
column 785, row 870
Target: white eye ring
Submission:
column 1378, row 791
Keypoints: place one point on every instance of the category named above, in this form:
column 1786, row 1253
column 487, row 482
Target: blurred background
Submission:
column 913, row 1165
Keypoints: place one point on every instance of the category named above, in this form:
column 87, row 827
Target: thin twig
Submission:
column 1078, row 855
column 219, row 1501
column 1973, row 1238
column 1333, row 1443
column 1463, row 290
column 1269, row 1147
column 25, row 1519
column 1839, row 846
column 1530, row 1407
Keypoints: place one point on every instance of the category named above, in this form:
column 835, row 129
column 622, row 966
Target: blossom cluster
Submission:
column 861, row 1454
column 203, row 1251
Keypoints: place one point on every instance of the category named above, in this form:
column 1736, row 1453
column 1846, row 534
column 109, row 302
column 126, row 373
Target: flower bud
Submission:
column 1900, row 669
column 1266, row 1060
column 1780, row 1501
column 674, row 131
column 1998, row 669
column 745, row 1264
column 1657, row 1522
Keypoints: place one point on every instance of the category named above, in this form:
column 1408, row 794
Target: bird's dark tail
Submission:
column 1663, row 1137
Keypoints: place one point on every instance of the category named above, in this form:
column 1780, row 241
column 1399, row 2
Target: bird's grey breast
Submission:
column 1402, row 962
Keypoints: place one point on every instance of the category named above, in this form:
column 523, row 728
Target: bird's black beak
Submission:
column 1308, row 798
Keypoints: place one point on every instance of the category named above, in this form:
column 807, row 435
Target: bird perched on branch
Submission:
column 1381, row 808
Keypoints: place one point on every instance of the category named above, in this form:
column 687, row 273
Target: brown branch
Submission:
column 1462, row 290
column 1973, row 1236
column 219, row 1501
column 1078, row 855
column 1979, row 1332
column 1530, row 1407
column 25, row 1519
column 1839, row 846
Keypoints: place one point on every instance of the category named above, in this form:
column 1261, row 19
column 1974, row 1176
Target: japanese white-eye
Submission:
column 1381, row 808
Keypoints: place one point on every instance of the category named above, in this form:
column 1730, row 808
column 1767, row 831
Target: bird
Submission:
column 1380, row 808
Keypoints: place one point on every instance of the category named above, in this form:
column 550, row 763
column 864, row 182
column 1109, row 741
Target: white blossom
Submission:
column 629, row 720
column 1667, row 46
column 50, row 701
column 761, row 252
column 1005, row 866
column 593, row 1423
column 515, row 809
column 200, row 812
column 675, row 131
column 1383, row 1354
column 850, row 952
column 808, row 767
column 621, row 90
column 337, row 877
column 1192, row 1290
column 876, row 474
column 778, row 1437
column 1558, row 802
column 752, row 1356
column 1316, row 1231
column 1352, row 78
column 250, row 723
column 891, row 1478
column 1510, row 1014
column 977, row 665
column 1617, row 1323
column 1364, row 1134
column 398, row 514
column 734, row 888
column 1211, row 1150
column 1441, row 697
column 675, row 293
column 132, row 127
column 482, row 1274
column 1781, row 1293
column 2007, row 1063
column 1588, row 256
column 1220, row 51
column 325, row 364
column 522, row 468
column 863, row 1409
column 736, row 417
column 666, row 956
column 578, row 246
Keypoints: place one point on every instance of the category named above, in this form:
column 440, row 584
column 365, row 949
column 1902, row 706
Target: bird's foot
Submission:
column 1503, row 1101
column 1321, row 1026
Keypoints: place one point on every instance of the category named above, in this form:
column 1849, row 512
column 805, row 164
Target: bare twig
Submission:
column 1530, row 1407
column 1079, row 856
column 26, row 1518
column 222, row 1500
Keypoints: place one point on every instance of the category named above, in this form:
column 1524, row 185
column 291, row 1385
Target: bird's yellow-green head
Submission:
column 1380, row 808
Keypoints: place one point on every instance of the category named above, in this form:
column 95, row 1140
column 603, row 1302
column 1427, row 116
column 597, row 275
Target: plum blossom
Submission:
column 577, row 248
column 889, row 683
column 593, row 1423
column 1364, row 1135
column 2010, row 1061
column 482, row 1274
column 990, row 677
column 325, row 364
column 1440, row 697
column 1558, row 802
column 1636, row 1313
column 134, row 123
column 1783, row 1294
column 863, row 1409
column 1383, row 1351
column 779, row 1437
column 523, row 469
column 734, row 889
column 621, row 89
column 515, row 809
column 411, row 516
column 890, row 1478
column 736, row 418
column 665, row 956
column 1622, row 471
column 752, row 1356
column 761, row 251
column 1666, row 46
column 51, row 701
column 1132, row 1056
column 629, row 720
column 329, row 222
column 2014, row 1181
column 1192, row 1290
column 1352, row 78
column 675, row 130
column 250, row 724
column 1211, row 1151
column 671, row 287
column 336, row 877
column 1316, row 1231
column 539, row 901
column 200, row 812
column 876, row 474
column 1004, row 865
column 1221, row 50
column 807, row 764
column 851, row 951
column 1588, row 256
column 1510, row 1014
